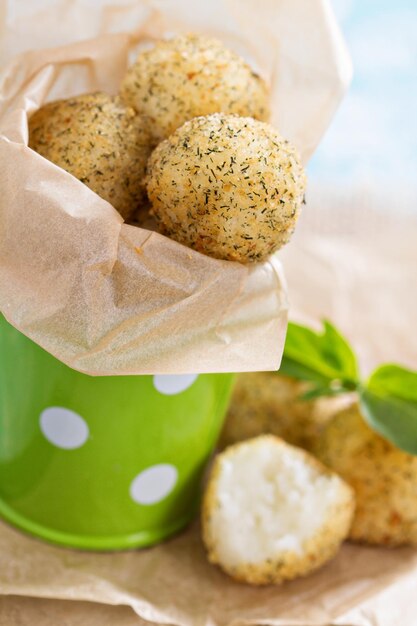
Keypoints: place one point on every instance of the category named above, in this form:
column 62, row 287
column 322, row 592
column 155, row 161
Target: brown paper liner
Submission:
column 71, row 277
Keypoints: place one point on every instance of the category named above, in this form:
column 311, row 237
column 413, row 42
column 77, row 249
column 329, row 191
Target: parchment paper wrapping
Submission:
column 71, row 277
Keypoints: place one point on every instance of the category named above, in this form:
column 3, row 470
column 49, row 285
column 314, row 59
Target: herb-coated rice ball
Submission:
column 228, row 186
column 100, row 141
column 272, row 512
column 188, row 76
column 270, row 403
column 383, row 477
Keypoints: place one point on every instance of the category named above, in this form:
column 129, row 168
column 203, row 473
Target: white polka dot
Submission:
column 170, row 385
column 63, row 428
column 153, row 484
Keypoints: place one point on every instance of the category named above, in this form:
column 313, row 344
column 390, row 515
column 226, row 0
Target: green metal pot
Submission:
column 101, row 463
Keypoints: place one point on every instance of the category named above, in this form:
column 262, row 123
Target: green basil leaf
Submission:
column 394, row 380
column 326, row 354
column 338, row 351
column 321, row 392
column 291, row 368
column 392, row 417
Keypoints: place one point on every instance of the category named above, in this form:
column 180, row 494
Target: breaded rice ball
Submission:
column 100, row 141
column 383, row 477
column 228, row 186
column 271, row 512
column 190, row 76
column 269, row 403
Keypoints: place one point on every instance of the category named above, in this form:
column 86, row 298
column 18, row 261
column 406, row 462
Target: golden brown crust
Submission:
column 268, row 402
column 383, row 477
column 100, row 141
column 227, row 186
column 189, row 76
column 285, row 565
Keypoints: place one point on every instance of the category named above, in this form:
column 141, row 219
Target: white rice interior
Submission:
column 269, row 500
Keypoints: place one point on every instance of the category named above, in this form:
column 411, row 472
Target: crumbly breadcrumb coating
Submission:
column 271, row 512
column 269, row 403
column 100, row 141
column 228, row 186
column 188, row 76
column 383, row 477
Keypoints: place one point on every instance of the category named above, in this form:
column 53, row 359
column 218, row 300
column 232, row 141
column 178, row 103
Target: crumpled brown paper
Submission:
column 355, row 263
column 18, row 611
column 109, row 298
column 174, row 584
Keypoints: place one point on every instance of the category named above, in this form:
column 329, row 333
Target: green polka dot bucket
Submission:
column 101, row 463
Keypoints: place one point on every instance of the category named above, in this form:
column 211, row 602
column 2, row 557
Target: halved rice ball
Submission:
column 188, row 76
column 271, row 512
column 228, row 186
column 100, row 141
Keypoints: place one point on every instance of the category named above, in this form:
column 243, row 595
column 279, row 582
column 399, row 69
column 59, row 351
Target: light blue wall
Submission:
column 373, row 136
